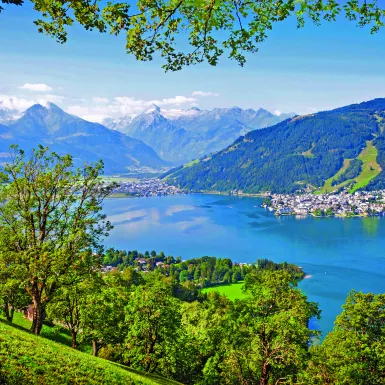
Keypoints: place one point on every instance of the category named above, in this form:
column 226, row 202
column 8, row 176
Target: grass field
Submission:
column 309, row 153
column 231, row 291
column 27, row 359
column 189, row 164
column 56, row 334
column 328, row 183
column 370, row 169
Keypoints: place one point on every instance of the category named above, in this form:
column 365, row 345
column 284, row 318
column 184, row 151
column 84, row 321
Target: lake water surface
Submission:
column 337, row 254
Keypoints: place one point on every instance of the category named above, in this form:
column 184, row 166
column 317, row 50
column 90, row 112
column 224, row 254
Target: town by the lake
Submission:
column 343, row 204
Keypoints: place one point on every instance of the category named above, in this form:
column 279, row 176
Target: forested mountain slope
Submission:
column 304, row 150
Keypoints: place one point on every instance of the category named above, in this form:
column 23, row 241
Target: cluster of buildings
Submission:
column 361, row 203
column 146, row 188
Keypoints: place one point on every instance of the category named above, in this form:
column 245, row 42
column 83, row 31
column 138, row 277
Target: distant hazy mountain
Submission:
column 86, row 141
column 346, row 144
column 194, row 132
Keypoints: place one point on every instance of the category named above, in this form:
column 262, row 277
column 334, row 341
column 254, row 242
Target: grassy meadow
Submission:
column 232, row 291
column 370, row 169
column 28, row 359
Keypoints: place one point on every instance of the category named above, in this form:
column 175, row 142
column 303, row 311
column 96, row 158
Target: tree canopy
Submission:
column 50, row 221
column 186, row 32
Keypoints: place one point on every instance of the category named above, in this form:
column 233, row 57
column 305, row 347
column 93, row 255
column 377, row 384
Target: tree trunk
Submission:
column 74, row 343
column 95, row 348
column 265, row 374
column 38, row 312
column 9, row 311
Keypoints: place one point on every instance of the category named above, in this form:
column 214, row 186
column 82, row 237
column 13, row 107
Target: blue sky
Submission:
column 306, row 70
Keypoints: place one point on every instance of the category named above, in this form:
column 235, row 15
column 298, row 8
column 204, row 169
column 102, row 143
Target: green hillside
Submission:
column 28, row 359
column 356, row 177
column 370, row 168
column 315, row 149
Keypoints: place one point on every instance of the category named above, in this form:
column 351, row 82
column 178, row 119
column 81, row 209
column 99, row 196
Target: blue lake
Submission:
column 337, row 254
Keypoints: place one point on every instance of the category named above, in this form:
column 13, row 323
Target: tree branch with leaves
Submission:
column 187, row 32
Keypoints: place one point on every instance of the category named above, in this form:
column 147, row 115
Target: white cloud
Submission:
column 36, row 87
column 98, row 108
column 203, row 93
column 12, row 102
column 277, row 112
column 177, row 100
column 15, row 103
column 98, row 100
column 102, row 108
column 51, row 98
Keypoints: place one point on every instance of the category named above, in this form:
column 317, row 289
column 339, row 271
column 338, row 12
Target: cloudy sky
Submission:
column 300, row 71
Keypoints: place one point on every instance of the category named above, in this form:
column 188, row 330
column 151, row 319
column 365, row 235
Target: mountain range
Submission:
column 85, row 141
column 333, row 149
column 194, row 132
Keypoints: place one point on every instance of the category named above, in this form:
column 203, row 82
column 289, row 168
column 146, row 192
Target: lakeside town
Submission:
column 145, row 188
column 343, row 204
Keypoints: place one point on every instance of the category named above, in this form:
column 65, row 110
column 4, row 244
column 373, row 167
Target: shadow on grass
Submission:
column 16, row 326
column 54, row 333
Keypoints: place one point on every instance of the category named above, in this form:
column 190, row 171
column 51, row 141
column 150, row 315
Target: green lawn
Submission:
column 27, row 359
column 231, row 291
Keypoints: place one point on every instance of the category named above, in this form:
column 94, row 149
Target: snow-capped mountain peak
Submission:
column 152, row 108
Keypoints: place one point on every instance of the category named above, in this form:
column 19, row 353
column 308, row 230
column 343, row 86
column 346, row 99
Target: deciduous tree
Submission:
column 50, row 216
column 269, row 336
column 354, row 352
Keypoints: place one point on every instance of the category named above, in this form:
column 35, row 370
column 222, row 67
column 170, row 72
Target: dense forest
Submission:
column 304, row 150
column 202, row 272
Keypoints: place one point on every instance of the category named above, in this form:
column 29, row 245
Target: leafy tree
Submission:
column 50, row 216
column 12, row 293
column 153, row 319
column 213, row 27
column 102, row 312
column 237, row 275
column 354, row 352
column 66, row 308
column 227, row 277
column 184, row 276
column 130, row 277
column 269, row 334
column 206, row 322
